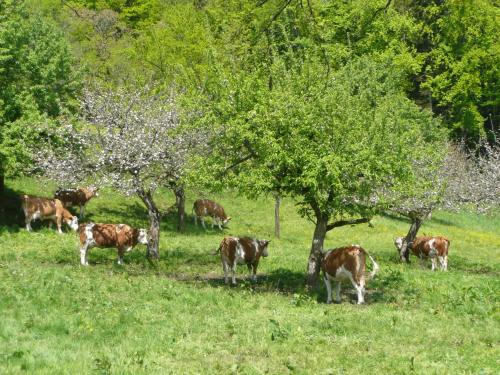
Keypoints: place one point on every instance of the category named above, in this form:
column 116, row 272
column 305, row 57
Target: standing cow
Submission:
column 121, row 236
column 234, row 250
column 76, row 197
column 206, row 207
column 428, row 247
column 347, row 263
column 47, row 209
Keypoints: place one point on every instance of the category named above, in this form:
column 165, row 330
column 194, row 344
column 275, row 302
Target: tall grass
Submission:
column 178, row 317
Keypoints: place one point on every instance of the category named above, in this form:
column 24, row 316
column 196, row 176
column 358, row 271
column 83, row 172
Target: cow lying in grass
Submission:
column 206, row 207
column 234, row 250
column 428, row 247
column 76, row 197
column 121, row 236
column 347, row 263
column 47, row 209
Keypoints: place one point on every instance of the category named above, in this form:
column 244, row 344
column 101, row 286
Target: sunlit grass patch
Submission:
column 177, row 315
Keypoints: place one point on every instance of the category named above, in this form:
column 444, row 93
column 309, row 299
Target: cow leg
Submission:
column 219, row 223
column 83, row 255
column 82, row 208
column 121, row 252
column 442, row 262
column 28, row 224
column 58, row 223
column 328, row 289
column 445, row 263
column 213, row 221
column 249, row 266
column 337, row 292
column 422, row 261
column 359, row 289
column 225, row 267
column 233, row 270
column 202, row 219
column 433, row 262
column 254, row 268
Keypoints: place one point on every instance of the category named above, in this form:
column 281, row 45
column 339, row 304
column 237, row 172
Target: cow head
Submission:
column 226, row 220
column 143, row 236
column 73, row 223
column 94, row 190
column 263, row 247
column 398, row 242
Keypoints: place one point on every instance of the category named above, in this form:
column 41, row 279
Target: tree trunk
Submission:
column 277, row 216
column 180, row 203
column 416, row 222
column 154, row 225
column 2, row 183
column 316, row 254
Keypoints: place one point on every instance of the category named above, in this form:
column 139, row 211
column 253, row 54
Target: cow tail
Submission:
column 217, row 252
column 375, row 268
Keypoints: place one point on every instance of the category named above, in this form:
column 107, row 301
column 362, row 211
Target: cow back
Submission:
column 352, row 258
column 422, row 245
column 102, row 234
column 46, row 206
column 206, row 207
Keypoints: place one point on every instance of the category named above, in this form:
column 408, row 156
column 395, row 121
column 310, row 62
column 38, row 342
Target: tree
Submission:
column 37, row 81
column 463, row 178
column 334, row 142
column 132, row 140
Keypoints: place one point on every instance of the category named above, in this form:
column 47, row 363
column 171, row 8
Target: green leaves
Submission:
column 37, row 81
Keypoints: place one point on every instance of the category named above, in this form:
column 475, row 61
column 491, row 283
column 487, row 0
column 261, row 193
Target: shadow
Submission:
column 457, row 263
column 11, row 213
column 445, row 222
column 126, row 214
column 401, row 219
column 136, row 215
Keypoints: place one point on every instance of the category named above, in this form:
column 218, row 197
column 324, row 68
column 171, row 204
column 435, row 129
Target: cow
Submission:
column 347, row 263
column 428, row 247
column 121, row 236
column 206, row 207
column 47, row 209
column 76, row 197
column 234, row 250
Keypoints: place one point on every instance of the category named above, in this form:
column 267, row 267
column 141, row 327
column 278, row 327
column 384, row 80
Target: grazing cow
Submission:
column 234, row 250
column 76, row 197
column 47, row 209
column 121, row 236
column 206, row 207
column 344, row 263
column 428, row 247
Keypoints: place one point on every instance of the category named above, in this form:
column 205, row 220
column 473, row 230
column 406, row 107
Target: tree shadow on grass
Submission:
column 11, row 214
column 136, row 214
column 395, row 217
column 457, row 263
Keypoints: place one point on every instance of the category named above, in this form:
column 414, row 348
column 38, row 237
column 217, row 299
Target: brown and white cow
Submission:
column 47, row 209
column 76, row 197
column 347, row 263
column 121, row 236
column 428, row 247
column 206, row 207
column 234, row 250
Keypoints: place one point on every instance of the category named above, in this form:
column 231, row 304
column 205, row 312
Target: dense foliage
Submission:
column 37, row 81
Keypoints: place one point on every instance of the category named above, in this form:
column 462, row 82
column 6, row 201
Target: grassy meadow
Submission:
column 176, row 316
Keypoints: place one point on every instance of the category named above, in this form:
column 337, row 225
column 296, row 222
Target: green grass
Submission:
column 178, row 317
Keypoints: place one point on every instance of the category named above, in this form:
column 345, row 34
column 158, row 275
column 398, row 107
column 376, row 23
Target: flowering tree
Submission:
column 131, row 140
column 463, row 178
column 330, row 143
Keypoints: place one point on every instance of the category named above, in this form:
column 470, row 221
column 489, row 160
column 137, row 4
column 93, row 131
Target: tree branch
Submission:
column 342, row 223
